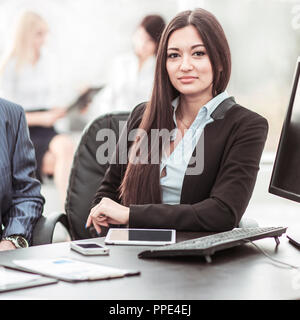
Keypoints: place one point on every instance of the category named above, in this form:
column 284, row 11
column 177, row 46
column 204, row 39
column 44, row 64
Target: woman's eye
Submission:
column 199, row 53
column 173, row 55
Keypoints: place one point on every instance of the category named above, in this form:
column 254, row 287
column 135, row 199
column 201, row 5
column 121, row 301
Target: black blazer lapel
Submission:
column 204, row 155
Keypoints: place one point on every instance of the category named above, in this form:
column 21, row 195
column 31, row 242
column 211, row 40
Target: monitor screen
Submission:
column 285, row 179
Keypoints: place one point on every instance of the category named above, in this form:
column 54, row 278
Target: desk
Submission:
column 238, row 273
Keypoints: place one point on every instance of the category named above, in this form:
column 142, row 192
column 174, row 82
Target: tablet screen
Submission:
column 140, row 236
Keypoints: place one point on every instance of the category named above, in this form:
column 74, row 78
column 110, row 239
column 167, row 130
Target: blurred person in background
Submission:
column 26, row 79
column 131, row 77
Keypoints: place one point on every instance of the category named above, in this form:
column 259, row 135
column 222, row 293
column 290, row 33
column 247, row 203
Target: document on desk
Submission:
column 12, row 280
column 72, row 270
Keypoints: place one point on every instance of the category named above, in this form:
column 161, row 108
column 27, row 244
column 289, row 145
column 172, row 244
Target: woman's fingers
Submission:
column 88, row 221
column 94, row 213
column 97, row 227
column 112, row 221
column 96, row 219
column 107, row 212
column 100, row 219
column 104, row 224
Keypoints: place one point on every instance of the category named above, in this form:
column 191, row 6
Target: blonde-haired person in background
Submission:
column 26, row 79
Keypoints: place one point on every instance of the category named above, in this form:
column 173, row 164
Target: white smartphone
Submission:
column 89, row 248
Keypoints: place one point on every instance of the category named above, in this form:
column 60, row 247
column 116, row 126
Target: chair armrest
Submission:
column 44, row 229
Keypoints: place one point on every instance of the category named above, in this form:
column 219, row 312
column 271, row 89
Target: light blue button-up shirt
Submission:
column 176, row 164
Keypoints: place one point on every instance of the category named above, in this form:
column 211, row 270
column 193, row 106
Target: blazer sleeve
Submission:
column 27, row 201
column 229, row 196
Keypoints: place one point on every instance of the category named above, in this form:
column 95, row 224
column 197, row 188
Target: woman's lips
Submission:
column 187, row 79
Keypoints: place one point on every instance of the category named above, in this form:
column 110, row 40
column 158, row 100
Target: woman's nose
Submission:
column 186, row 64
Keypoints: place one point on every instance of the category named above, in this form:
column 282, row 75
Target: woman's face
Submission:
column 188, row 65
column 143, row 44
column 39, row 37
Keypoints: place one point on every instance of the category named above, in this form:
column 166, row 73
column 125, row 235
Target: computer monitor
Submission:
column 285, row 179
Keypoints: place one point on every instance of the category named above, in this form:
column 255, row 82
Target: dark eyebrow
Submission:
column 192, row 47
column 197, row 45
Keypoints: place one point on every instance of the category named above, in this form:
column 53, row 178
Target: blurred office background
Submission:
column 87, row 35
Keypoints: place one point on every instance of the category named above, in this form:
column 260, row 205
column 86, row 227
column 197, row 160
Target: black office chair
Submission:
column 85, row 178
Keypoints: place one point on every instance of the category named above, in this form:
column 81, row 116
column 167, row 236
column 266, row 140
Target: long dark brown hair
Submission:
column 141, row 183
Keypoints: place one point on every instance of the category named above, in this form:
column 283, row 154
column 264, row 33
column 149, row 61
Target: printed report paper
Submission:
column 12, row 277
column 72, row 270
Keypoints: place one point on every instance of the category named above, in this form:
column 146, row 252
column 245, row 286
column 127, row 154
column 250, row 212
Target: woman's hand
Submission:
column 45, row 118
column 53, row 115
column 107, row 212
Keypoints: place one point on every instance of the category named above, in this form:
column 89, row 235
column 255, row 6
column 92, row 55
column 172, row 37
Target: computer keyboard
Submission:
column 208, row 245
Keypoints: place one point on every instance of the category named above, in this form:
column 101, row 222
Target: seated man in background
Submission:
column 21, row 203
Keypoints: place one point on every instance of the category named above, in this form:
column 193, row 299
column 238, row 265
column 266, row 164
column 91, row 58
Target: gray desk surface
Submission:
column 238, row 273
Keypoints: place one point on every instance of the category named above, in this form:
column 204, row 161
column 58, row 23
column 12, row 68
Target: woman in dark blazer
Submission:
column 208, row 163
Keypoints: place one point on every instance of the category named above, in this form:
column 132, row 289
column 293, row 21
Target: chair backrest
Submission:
column 87, row 174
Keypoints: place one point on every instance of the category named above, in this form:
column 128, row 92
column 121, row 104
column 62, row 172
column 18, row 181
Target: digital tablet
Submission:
column 84, row 99
column 143, row 237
